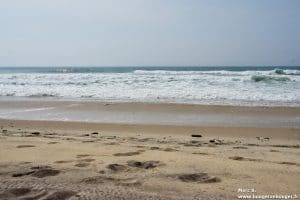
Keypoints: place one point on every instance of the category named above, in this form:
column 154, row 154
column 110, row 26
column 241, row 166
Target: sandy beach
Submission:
column 150, row 100
column 47, row 159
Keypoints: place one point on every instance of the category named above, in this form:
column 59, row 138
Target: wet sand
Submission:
column 79, row 160
column 150, row 113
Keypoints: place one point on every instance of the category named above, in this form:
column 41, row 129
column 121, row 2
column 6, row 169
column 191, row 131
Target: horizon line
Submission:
column 149, row 66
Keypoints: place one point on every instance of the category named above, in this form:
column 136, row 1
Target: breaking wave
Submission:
column 287, row 72
column 259, row 78
column 240, row 86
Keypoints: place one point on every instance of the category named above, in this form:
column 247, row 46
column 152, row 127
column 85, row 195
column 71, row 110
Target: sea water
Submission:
column 196, row 85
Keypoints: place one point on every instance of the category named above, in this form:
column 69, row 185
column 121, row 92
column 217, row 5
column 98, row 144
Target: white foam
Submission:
column 209, row 87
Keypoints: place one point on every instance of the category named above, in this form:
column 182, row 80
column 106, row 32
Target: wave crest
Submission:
column 259, row 78
column 286, row 72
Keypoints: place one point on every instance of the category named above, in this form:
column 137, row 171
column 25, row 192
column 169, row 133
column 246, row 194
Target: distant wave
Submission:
column 218, row 73
column 287, row 72
column 257, row 78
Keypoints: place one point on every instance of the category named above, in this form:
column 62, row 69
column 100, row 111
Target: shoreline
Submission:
column 151, row 114
column 249, row 104
column 78, row 128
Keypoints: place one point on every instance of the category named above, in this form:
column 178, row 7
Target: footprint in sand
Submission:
column 117, row 167
column 273, row 150
column 52, row 142
column 240, row 147
column 239, row 158
column 14, row 192
column 82, row 155
column 60, row 195
column 197, row 177
column 144, row 165
column 84, row 162
column 38, row 172
column 201, row 153
column 63, row 161
column 169, row 149
column 45, row 172
column 288, row 163
column 87, row 160
column 128, row 153
column 116, row 181
column 134, row 164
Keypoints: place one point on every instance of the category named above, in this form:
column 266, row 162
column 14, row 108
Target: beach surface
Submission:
column 147, row 151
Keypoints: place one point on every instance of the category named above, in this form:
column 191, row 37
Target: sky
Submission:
column 149, row 32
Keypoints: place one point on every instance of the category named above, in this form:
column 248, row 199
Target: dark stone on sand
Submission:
column 86, row 135
column 35, row 133
column 60, row 195
column 196, row 135
column 45, row 172
column 4, row 131
column 215, row 141
column 94, row 133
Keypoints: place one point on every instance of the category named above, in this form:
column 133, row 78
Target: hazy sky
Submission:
column 149, row 32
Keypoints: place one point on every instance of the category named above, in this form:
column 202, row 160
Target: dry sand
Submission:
column 76, row 160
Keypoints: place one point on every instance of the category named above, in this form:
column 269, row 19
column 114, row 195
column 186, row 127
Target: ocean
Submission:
column 250, row 86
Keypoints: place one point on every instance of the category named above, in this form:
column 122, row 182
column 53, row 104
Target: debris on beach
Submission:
column 196, row 135
column 262, row 139
column 36, row 133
